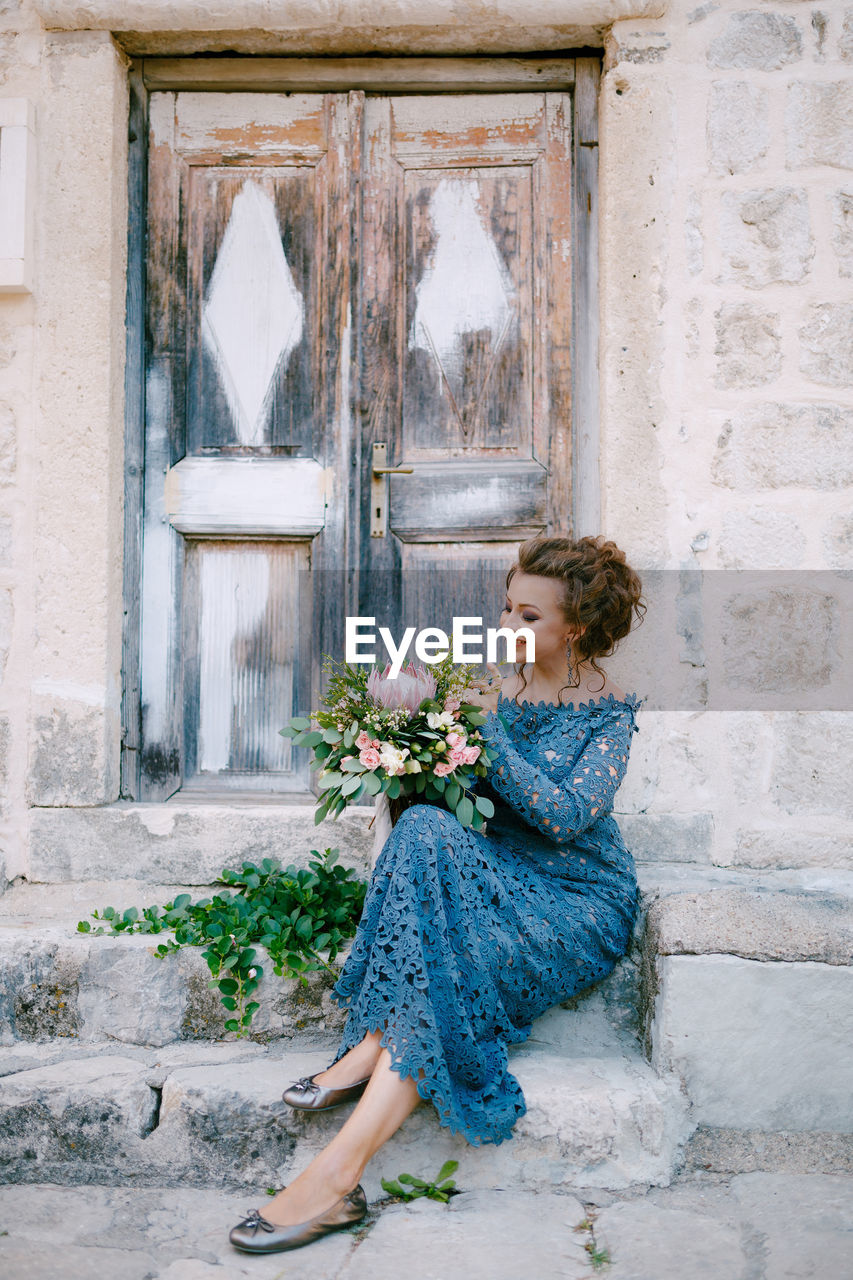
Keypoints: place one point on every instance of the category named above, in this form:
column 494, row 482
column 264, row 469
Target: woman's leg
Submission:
column 338, row 1168
column 355, row 1065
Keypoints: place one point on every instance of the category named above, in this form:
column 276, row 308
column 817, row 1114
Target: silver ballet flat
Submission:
column 255, row 1234
column 306, row 1095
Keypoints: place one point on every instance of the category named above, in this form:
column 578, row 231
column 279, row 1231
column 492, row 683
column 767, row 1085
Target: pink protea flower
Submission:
column 442, row 769
column 408, row 689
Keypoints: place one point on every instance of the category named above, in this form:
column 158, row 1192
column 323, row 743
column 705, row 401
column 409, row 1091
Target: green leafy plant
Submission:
column 442, row 1188
column 598, row 1257
column 294, row 913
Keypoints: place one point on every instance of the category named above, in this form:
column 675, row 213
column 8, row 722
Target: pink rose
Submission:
column 442, row 769
column 471, row 754
column 363, row 739
column 456, row 739
column 457, row 756
column 369, row 756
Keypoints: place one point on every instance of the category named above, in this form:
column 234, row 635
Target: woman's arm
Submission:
column 562, row 809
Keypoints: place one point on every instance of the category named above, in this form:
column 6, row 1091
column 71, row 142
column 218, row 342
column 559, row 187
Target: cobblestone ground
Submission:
column 753, row 1226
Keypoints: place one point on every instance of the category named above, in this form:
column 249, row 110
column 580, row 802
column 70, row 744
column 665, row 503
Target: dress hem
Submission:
column 401, row 1063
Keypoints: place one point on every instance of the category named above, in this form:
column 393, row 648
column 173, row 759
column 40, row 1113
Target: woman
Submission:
column 467, row 937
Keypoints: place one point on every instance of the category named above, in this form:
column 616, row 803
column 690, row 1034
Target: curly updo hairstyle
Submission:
column 601, row 593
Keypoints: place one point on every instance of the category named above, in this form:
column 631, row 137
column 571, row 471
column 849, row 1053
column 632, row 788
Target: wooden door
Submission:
column 247, row 424
column 328, row 272
column 465, row 294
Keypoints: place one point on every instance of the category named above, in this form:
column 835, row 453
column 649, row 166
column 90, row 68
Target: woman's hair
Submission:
column 599, row 592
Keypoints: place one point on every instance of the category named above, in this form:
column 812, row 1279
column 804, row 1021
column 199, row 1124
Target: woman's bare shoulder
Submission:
column 511, row 685
column 610, row 688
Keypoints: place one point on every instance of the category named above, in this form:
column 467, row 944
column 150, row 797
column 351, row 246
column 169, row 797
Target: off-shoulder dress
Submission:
column 467, row 937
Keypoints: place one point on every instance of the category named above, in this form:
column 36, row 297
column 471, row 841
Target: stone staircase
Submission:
column 720, row 1041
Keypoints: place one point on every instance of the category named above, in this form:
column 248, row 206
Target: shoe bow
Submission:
column 307, row 1084
column 255, row 1220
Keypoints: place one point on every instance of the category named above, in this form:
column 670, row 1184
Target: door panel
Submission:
column 252, row 308
column 247, row 412
column 467, row 228
column 468, row 290
column 246, row 635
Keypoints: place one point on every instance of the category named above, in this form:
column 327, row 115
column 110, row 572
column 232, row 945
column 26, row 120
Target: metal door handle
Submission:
column 379, row 488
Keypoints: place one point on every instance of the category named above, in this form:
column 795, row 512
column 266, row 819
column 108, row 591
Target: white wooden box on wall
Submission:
column 17, row 194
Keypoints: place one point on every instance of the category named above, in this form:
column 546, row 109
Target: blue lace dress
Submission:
column 467, row 937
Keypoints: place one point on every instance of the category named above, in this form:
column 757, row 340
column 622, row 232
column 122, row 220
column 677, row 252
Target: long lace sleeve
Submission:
column 563, row 808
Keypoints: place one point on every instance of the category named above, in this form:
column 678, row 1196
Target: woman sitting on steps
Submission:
column 465, row 937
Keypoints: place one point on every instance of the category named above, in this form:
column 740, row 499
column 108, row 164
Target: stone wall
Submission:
column 61, row 433
column 726, row 256
column 727, row 177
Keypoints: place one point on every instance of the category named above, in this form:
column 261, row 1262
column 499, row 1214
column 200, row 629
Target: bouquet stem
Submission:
column 399, row 805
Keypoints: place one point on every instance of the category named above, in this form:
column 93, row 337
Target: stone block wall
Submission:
column 727, row 177
column 61, row 435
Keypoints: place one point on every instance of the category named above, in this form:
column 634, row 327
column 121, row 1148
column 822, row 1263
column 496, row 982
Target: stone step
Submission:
column 702, row 1227
column 211, row 1115
column 737, row 985
column 187, row 843
column 748, row 997
column 56, row 982
column 170, row 1233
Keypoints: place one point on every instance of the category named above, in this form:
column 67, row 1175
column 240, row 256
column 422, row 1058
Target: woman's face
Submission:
column 533, row 601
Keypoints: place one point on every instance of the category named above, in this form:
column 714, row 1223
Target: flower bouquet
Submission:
column 410, row 738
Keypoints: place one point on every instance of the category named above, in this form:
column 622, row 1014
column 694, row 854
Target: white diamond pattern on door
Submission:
column 464, row 297
column 252, row 316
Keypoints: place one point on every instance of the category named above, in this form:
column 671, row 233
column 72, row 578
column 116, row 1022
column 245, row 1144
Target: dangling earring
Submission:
column 569, row 656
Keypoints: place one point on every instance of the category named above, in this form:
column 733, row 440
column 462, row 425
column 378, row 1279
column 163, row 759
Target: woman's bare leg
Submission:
column 337, row 1169
column 353, row 1066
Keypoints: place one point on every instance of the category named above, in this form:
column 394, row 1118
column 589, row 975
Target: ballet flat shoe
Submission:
column 256, row 1235
column 306, row 1095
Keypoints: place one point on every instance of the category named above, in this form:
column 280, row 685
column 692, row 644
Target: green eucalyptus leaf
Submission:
column 333, row 779
column 465, row 811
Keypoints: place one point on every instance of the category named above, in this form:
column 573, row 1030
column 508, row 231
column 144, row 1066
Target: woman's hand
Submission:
column 484, row 691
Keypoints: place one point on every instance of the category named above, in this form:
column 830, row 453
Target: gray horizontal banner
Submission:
column 710, row 640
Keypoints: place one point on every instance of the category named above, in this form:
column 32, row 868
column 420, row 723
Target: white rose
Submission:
column 440, row 719
column 391, row 758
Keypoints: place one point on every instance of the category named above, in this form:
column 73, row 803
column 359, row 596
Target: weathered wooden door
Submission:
column 338, row 282
column 465, row 298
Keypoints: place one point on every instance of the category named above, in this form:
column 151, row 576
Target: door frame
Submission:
column 578, row 74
